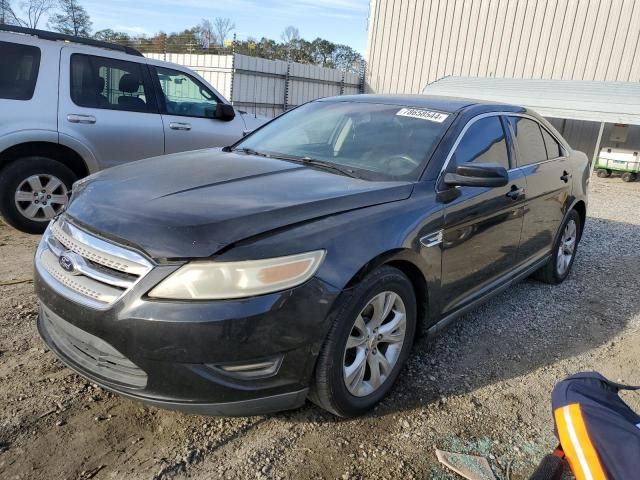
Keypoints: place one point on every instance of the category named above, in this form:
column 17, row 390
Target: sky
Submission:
column 340, row 21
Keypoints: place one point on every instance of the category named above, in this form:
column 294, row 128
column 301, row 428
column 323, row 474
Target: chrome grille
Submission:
column 86, row 268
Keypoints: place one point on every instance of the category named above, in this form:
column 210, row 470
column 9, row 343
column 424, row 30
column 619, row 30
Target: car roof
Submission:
column 443, row 104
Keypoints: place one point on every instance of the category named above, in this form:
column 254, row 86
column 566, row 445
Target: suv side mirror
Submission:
column 478, row 175
column 224, row 112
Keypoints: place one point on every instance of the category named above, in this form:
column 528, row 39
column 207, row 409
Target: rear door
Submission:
column 108, row 106
column 482, row 225
column 542, row 160
column 187, row 105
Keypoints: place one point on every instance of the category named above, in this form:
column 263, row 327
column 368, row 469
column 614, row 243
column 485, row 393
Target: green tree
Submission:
column 72, row 19
column 108, row 35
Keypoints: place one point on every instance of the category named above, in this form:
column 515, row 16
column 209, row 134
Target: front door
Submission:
column 541, row 159
column 482, row 225
column 107, row 106
column 187, row 107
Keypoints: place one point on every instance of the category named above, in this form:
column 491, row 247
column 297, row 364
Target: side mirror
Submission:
column 224, row 112
column 478, row 175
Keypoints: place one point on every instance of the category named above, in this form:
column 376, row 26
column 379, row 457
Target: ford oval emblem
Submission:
column 66, row 263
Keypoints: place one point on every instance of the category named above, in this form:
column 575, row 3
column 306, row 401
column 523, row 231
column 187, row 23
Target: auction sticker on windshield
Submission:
column 430, row 115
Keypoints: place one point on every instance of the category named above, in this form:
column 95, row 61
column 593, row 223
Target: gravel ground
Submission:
column 483, row 386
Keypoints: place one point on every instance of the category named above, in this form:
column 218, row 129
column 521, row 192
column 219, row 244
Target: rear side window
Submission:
column 553, row 147
column 483, row 142
column 529, row 138
column 19, row 72
column 99, row 82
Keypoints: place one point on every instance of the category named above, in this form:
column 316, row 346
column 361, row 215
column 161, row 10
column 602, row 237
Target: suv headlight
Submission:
column 201, row 280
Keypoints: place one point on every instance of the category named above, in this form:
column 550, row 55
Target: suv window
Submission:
column 184, row 95
column 100, row 82
column 530, row 142
column 483, row 142
column 19, row 72
column 553, row 147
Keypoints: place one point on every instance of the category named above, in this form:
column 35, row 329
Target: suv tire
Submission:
column 395, row 294
column 54, row 178
column 560, row 263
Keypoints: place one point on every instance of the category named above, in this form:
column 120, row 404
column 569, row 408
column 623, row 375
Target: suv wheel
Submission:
column 564, row 251
column 33, row 190
column 368, row 344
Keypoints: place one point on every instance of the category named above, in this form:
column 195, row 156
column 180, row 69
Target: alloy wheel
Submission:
column 567, row 247
column 374, row 344
column 41, row 197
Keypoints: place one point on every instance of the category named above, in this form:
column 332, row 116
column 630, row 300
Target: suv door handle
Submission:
column 74, row 118
column 180, row 126
column 515, row 193
column 565, row 177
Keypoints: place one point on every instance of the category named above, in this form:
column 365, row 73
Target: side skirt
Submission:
column 444, row 322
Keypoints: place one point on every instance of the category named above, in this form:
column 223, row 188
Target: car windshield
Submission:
column 368, row 140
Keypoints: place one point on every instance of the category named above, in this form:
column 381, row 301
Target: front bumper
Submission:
column 167, row 353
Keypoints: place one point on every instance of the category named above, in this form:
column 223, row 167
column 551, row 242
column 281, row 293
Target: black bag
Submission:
column 598, row 432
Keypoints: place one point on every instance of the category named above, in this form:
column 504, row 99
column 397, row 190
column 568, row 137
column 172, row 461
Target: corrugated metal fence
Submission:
column 266, row 87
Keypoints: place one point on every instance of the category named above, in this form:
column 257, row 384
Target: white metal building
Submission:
column 468, row 47
column 414, row 42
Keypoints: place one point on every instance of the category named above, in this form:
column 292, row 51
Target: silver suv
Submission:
column 70, row 107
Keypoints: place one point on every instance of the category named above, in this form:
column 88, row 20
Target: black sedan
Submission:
column 303, row 261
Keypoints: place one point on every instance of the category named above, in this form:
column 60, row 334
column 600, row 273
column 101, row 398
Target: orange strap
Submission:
column 577, row 445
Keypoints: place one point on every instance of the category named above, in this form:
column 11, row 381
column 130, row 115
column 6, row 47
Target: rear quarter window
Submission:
column 19, row 71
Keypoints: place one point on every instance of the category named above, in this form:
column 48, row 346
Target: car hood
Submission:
column 194, row 204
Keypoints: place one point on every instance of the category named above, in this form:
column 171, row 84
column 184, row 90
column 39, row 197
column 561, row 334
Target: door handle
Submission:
column 515, row 193
column 74, row 118
column 565, row 177
column 180, row 126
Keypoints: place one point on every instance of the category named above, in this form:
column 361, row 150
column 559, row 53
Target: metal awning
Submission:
column 603, row 102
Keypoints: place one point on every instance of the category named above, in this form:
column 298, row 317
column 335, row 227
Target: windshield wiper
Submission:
column 317, row 163
column 249, row 151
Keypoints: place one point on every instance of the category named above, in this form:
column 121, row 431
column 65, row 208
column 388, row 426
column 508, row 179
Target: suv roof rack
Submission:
column 45, row 35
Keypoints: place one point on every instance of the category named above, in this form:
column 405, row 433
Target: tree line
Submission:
column 209, row 36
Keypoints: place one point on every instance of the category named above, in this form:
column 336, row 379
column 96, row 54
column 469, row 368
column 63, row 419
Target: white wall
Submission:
column 266, row 87
column 414, row 42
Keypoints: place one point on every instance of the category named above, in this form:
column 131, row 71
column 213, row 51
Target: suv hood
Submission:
column 194, row 204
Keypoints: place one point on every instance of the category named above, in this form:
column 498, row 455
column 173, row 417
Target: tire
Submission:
column 629, row 177
column 603, row 173
column 329, row 388
column 551, row 272
column 19, row 178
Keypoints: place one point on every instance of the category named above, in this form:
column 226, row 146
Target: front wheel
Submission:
column 368, row 344
column 604, row 173
column 33, row 190
column 564, row 251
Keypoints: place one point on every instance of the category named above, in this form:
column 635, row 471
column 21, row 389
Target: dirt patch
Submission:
column 482, row 387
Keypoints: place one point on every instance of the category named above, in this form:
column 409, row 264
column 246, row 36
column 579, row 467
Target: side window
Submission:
column 100, row 82
column 184, row 95
column 530, row 143
column 553, row 147
column 483, row 142
column 19, row 72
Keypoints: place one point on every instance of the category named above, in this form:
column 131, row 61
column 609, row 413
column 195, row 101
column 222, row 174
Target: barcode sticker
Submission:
column 429, row 115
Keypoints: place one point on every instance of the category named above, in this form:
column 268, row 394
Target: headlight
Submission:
column 200, row 280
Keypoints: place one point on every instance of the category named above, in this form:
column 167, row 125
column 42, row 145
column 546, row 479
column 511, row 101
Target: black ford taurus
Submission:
column 303, row 261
